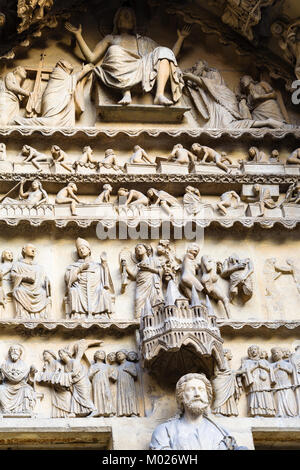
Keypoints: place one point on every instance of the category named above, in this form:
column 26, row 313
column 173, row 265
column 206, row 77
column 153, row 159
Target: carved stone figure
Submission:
column 289, row 41
column 35, row 196
column 87, row 159
column 60, row 98
column 295, row 362
column 59, row 156
column 226, row 389
column 17, row 395
column 230, row 199
column 32, row 11
column 104, row 196
column 31, row 286
column 294, row 157
column 50, row 375
column 139, row 156
column 259, row 377
column 181, row 155
column 275, row 156
column 7, row 258
column 127, row 404
column 147, row 272
column 163, row 199
column 257, row 156
column 167, row 259
column 74, row 378
column 240, row 275
column 33, row 156
column 189, row 270
column 67, row 196
column 264, row 199
column 216, row 103
column 284, row 395
column 209, row 279
column 11, row 95
column 89, row 284
column 192, row 201
column 110, row 161
column 292, row 194
column 272, row 271
column 99, row 375
column 193, row 430
column 132, row 197
column 130, row 59
column 208, row 155
column 261, row 100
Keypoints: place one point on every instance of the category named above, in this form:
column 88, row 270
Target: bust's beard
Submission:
column 196, row 408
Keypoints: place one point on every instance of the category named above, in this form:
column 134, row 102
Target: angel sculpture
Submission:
column 68, row 378
column 147, row 270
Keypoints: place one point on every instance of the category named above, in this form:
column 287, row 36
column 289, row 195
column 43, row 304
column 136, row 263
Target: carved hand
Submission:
column 73, row 29
column 184, row 32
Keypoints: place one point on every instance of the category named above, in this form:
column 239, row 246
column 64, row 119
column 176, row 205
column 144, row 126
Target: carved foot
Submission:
column 126, row 100
column 162, row 101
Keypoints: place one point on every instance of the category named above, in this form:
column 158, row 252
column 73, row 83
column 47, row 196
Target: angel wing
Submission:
column 127, row 263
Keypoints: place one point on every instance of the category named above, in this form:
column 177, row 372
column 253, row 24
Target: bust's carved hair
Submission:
column 181, row 385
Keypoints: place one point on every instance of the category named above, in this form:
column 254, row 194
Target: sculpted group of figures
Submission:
column 89, row 288
column 271, row 384
column 198, row 155
column 78, row 388
column 152, row 270
column 192, row 204
column 128, row 60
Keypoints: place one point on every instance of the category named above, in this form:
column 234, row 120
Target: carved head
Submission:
column 178, row 146
column 286, row 352
column 109, row 152
column 48, row 355
column 123, row 192
column 228, row 354
column 83, row 248
column 21, row 72
column 15, row 352
column 193, row 250
column 253, row 152
column 7, row 255
column 124, row 19
column 246, row 81
column 107, row 187
column 263, row 355
column 193, row 393
column 141, row 249
column 29, row 251
column 277, row 354
column 121, row 356
column 132, row 356
column 253, row 351
column 73, row 187
column 136, row 148
column 36, row 184
column 199, row 67
column 196, row 147
column 111, row 358
column 64, row 355
column 99, row 355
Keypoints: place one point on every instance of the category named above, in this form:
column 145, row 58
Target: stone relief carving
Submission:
column 264, row 199
column 32, row 11
column 272, row 271
column 217, row 104
column 67, row 195
column 258, row 377
column 90, row 290
column 163, row 199
column 147, row 271
column 209, row 279
column 33, row 156
column 229, row 200
column 87, row 159
column 104, row 196
column 31, row 286
column 226, row 387
column 239, row 272
column 294, row 157
column 17, row 395
column 61, row 98
column 100, row 374
column 35, row 196
column 127, row 403
column 11, row 95
column 150, row 64
column 289, row 41
column 110, row 161
column 206, row 154
column 139, row 156
column 7, row 259
column 192, row 201
column 60, row 157
column 193, row 396
column 68, row 378
column 285, row 399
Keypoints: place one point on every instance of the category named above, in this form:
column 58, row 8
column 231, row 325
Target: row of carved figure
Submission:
column 76, row 390
column 256, row 105
column 198, row 155
column 192, row 204
column 90, row 290
column 272, row 386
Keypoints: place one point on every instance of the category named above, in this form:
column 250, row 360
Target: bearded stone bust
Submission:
column 193, row 430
